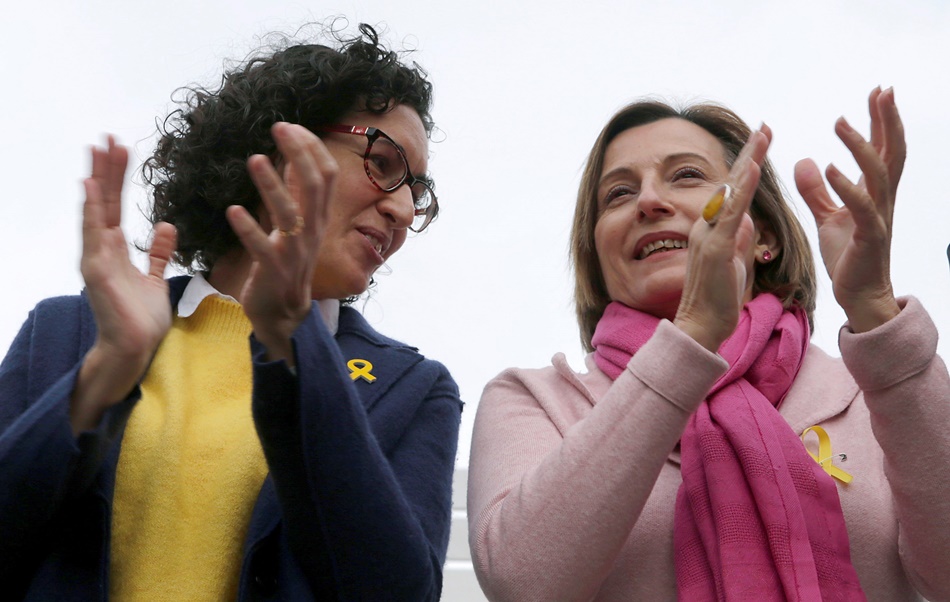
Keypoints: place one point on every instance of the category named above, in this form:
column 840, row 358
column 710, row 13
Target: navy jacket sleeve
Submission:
column 43, row 467
column 363, row 475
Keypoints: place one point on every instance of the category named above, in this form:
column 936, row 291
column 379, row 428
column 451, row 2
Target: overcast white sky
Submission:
column 522, row 89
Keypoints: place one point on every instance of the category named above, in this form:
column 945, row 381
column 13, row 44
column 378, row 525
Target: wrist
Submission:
column 701, row 334
column 870, row 314
column 277, row 346
column 104, row 379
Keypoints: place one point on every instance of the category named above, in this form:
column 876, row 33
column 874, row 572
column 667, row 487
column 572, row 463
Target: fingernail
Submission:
column 843, row 123
column 714, row 206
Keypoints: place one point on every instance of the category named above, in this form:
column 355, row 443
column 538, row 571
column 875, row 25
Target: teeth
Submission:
column 377, row 244
column 661, row 245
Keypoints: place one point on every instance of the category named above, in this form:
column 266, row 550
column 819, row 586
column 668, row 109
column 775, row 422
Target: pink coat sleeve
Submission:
column 558, row 480
column 907, row 391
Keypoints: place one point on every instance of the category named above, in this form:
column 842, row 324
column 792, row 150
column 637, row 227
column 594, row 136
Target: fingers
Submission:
column 868, row 160
column 93, row 216
column 309, row 176
column 740, row 200
column 882, row 158
column 312, row 171
column 249, row 232
column 744, row 179
column 894, row 150
column 877, row 130
column 865, row 213
column 812, row 187
column 281, row 208
column 108, row 169
column 164, row 240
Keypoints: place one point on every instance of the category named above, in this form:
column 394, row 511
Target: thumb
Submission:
column 164, row 242
column 812, row 187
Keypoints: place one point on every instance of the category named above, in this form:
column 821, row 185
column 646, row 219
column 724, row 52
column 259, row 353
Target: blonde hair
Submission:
column 790, row 276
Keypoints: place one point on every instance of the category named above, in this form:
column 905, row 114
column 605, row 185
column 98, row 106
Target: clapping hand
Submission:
column 132, row 309
column 855, row 240
column 277, row 293
column 716, row 274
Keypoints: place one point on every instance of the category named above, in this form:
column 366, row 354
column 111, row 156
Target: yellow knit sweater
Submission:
column 191, row 465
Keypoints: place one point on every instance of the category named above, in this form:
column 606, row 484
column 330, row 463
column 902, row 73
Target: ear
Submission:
column 767, row 245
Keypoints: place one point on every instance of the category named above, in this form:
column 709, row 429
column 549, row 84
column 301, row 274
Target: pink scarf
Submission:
column 756, row 517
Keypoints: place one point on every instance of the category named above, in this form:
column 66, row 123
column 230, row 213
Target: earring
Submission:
column 766, row 256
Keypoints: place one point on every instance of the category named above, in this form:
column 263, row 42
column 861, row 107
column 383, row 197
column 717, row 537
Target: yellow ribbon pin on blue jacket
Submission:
column 360, row 369
column 825, row 457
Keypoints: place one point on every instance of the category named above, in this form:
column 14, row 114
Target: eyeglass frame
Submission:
column 372, row 135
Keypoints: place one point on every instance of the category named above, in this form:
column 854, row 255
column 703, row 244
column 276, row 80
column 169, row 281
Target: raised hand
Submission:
column 716, row 274
column 132, row 309
column 276, row 295
column 855, row 240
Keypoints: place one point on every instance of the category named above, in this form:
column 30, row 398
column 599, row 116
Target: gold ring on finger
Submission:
column 297, row 228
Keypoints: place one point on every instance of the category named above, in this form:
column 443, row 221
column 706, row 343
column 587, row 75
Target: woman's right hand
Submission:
column 132, row 309
column 716, row 274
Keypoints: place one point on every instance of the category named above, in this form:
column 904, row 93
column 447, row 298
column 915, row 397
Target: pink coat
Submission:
column 573, row 478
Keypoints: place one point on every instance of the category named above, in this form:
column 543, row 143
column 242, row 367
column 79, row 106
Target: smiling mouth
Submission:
column 377, row 244
column 661, row 246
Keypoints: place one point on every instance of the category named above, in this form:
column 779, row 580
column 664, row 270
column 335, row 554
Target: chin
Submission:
column 358, row 287
column 661, row 302
column 340, row 287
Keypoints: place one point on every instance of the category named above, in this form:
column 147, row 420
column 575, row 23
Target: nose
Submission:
column 652, row 202
column 397, row 207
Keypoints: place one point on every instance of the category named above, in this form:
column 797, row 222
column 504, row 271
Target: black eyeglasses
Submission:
column 388, row 169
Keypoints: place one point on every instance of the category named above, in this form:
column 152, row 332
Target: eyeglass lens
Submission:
column 387, row 166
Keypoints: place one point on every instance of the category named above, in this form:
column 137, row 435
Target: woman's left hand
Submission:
column 276, row 295
column 855, row 240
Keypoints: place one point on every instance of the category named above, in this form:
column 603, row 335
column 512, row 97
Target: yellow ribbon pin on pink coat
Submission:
column 825, row 457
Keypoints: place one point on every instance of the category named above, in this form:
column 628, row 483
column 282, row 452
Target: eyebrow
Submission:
column 422, row 177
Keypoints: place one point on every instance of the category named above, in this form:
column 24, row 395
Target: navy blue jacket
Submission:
column 357, row 504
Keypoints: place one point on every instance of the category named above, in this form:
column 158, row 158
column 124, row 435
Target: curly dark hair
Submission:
column 199, row 166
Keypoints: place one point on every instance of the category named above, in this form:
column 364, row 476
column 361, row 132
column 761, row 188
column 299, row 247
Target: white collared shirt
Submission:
column 199, row 288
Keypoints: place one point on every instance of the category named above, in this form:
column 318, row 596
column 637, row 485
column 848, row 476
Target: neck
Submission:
column 230, row 272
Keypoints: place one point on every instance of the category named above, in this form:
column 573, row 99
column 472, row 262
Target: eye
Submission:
column 619, row 194
column 688, row 173
column 379, row 163
column 422, row 193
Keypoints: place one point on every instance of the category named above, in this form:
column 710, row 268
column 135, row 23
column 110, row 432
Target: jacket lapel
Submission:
column 821, row 377
column 375, row 363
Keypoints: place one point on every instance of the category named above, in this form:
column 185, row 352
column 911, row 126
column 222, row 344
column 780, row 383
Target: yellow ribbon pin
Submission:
column 825, row 458
column 360, row 369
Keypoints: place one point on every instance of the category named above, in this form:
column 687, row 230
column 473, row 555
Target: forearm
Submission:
column 352, row 517
column 908, row 395
column 553, row 504
column 104, row 379
column 42, row 462
column 43, row 465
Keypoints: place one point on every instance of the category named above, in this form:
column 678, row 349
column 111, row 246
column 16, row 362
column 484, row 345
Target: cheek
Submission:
column 607, row 239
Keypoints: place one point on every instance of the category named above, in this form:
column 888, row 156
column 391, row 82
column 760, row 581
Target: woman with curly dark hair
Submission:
column 239, row 433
